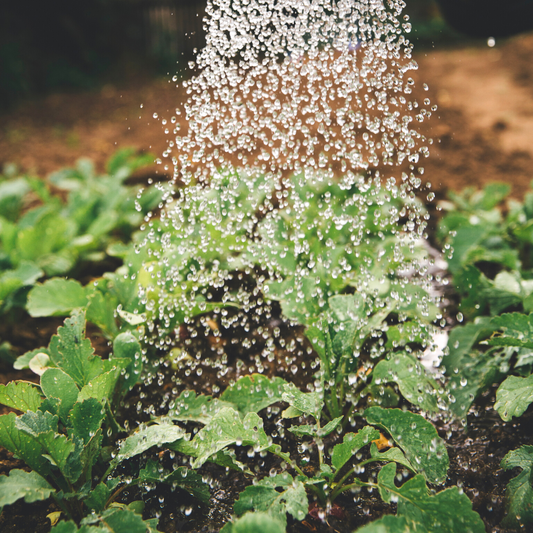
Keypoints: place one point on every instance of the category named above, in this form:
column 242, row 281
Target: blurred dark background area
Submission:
column 58, row 45
column 61, row 45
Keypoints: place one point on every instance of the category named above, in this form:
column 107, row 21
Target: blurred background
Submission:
column 85, row 78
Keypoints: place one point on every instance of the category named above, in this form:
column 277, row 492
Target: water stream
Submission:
column 297, row 177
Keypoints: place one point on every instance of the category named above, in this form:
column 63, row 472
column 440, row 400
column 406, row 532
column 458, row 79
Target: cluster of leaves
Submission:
column 67, row 431
column 365, row 320
column 492, row 268
column 41, row 235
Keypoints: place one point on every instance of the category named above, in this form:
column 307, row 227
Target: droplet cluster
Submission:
column 294, row 175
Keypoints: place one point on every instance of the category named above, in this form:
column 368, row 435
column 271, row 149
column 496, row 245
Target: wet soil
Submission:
column 484, row 132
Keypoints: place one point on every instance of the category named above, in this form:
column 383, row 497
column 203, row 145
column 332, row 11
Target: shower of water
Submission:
column 294, row 105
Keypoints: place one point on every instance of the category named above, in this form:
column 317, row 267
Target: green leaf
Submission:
column 86, row 418
column 58, row 384
column 448, row 511
column 146, row 437
column 22, row 445
column 73, row 353
column 413, row 382
column 255, row 522
column 349, row 307
column 514, row 396
column 351, row 444
column 127, row 346
column 101, row 387
column 254, row 392
column 183, row 477
column 20, row 484
column 517, row 330
column 225, row 429
column 190, row 407
column 419, row 440
column 56, row 297
column 21, row 395
column 519, row 492
column 98, row 498
column 123, row 521
column 391, row 524
column 56, row 448
column 101, row 311
column 90, row 453
column 263, row 497
column 309, row 403
column 391, row 455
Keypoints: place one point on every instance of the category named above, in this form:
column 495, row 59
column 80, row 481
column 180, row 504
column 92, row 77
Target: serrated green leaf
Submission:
column 183, row 477
column 514, row 396
column 254, row 392
column 127, row 346
column 101, row 387
column 309, row 403
column 190, row 407
column 22, row 445
column 145, row 438
column 55, row 447
column 391, row 524
column 58, row 384
column 419, row 440
column 256, row 522
column 392, row 454
column 20, row 484
column 56, row 297
column 101, row 311
column 123, row 521
column 21, row 395
column 225, row 429
column 351, row 444
column 98, row 498
column 89, row 454
column 349, row 307
column 519, row 492
column 448, row 511
column 73, row 353
column 263, row 497
column 23, row 361
column 517, row 330
column 411, row 378
column 86, row 418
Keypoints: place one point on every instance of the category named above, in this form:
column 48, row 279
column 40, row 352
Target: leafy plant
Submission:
column 51, row 238
column 68, row 426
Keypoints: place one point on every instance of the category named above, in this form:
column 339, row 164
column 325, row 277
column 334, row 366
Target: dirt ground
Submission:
column 483, row 129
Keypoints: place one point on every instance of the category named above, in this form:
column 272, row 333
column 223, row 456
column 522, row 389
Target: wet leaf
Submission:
column 201, row 408
column 126, row 346
column 56, row 297
column 183, row 477
column 20, row 484
column 418, row 439
column 517, row 330
column 86, row 418
column 145, row 438
column 391, row 455
column 256, row 522
column 58, row 384
column 514, row 396
column 227, row 428
column 448, row 511
column 263, row 497
column 351, row 444
column 413, row 382
column 309, row 403
column 519, row 492
column 21, row 395
column 73, row 353
column 251, row 394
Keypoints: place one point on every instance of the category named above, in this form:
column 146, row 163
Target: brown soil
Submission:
column 483, row 129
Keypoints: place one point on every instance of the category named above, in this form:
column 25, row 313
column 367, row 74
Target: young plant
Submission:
column 67, row 430
column 232, row 420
